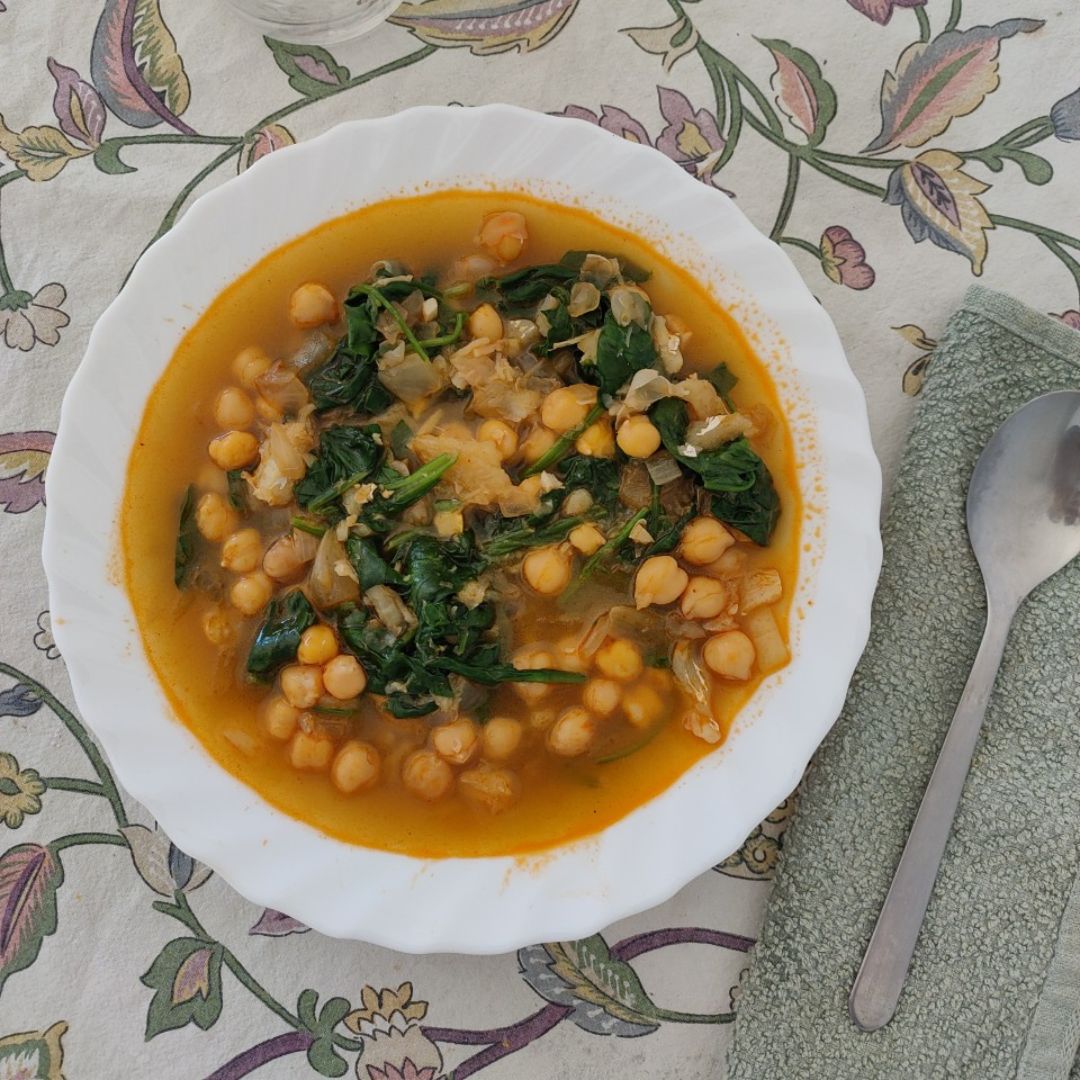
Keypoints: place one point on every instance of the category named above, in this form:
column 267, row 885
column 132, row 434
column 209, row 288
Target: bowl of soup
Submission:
column 462, row 549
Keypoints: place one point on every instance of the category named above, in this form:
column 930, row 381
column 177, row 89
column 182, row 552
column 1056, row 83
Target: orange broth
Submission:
column 561, row 799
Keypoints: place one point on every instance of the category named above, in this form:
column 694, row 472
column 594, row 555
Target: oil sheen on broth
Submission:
column 553, row 793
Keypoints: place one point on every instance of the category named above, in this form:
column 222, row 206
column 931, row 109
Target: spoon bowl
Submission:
column 1023, row 519
column 1023, row 504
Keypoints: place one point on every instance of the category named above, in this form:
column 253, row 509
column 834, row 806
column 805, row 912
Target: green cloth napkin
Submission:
column 994, row 989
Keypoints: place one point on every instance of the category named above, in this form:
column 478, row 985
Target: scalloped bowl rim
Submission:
column 490, row 904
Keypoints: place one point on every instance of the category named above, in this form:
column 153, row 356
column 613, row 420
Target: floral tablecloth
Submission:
column 894, row 147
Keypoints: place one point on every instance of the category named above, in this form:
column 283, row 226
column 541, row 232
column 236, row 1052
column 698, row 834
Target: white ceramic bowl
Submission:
column 481, row 905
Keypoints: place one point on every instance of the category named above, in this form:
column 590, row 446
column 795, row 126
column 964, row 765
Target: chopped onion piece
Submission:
column 716, row 431
column 329, row 587
column 290, row 462
column 688, row 671
column 282, row 389
column 313, row 352
column 629, row 304
column 390, row 609
column 663, row 468
column 599, row 270
column 584, row 297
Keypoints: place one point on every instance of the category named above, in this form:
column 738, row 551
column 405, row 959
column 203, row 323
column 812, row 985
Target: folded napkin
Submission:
column 994, row 989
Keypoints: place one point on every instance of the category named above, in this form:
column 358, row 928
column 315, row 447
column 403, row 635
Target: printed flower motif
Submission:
column 20, row 791
column 844, row 260
column 77, row 105
column 161, row 864
column 617, row 121
column 26, row 320
column 395, row 1046
column 33, row 1055
column 671, row 42
column 692, row 137
column 1065, row 117
column 881, row 10
column 19, row 700
column 492, row 27
column 915, row 375
column 272, row 923
column 24, row 456
column 43, row 639
column 408, row 1071
column 1070, row 318
column 267, row 140
column 41, row 152
column 937, row 200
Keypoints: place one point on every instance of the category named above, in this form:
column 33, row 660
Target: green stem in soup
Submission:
column 564, row 443
column 276, row 641
column 187, row 539
column 405, row 490
column 610, row 548
column 450, row 337
column 309, row 527
column 388, row 306
column 346, row 457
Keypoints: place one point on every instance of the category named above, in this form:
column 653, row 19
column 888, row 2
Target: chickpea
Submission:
column 602, row 696
column 242, row 551
column 279, row 718
column 733, row 561
column 218, row 626
column 344, row 678
column 251, row 593
column 619, row 659
column 704, row 540
column 730, row 654
column 485, row 322
column 317, row 645
column 587, row 539
column 501, row 737
column 233, row 408
column 356, row 767
column 567, row 657
column 310, row 751
column 312, row 304
column 643, row 705
column 537, row 443
column 660, row 580
column 426, row 775
column 504, row 235
column 214, row 517
column 573, row 733
column 493, row 789
column 282, row 561
column 577, row 502
column 704, row 598
column 567, row 407
column 302, row 685
column 457, row 741
column 249, row 364
column 530, row 659
column 233, row 450
column 638, row 437
column 547, row 570
column 596, row 440
column 502, row 435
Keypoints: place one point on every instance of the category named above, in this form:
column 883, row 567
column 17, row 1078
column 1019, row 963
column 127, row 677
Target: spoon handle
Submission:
column 884, row 968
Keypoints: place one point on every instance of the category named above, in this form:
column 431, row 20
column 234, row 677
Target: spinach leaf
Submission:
column 370, row 566
column 349, row 379
column 621, row 351
column 723, row 382
column 346, row 456
column 598, row 476
column 400, row 438
column 277, row 640
column 530, row 284
column 238, row 489
column 754, row 511
column 404, row 491
column 187, row 539
column 742, row 486
column 521, row 536
column 493, row 674
column 436, row 569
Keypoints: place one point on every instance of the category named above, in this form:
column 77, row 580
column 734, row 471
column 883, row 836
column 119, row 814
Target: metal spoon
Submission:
column 1023, row 519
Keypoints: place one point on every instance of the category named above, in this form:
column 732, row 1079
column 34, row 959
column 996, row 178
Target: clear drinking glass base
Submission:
column 320, row 22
